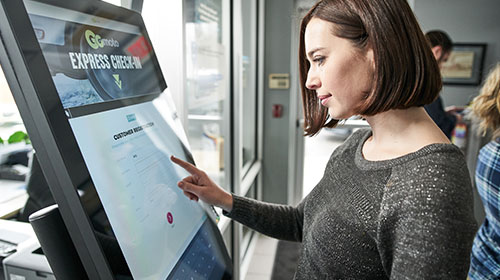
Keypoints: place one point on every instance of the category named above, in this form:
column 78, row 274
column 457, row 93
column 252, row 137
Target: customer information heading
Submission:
column 132, row 131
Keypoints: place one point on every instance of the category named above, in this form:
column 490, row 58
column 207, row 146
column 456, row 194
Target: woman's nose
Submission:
column 312, row 81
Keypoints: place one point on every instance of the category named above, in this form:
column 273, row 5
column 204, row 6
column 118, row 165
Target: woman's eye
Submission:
column 319, row 60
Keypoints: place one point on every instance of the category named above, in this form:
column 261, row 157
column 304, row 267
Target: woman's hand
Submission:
column 200, row 186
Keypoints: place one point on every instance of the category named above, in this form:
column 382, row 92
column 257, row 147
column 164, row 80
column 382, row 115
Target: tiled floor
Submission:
column 317, row 152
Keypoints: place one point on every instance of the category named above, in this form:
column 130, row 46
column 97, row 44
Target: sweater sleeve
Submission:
column 275, row 220
column 427, row 226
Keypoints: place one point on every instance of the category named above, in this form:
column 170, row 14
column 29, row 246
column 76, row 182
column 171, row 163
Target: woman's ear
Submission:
column 437, row 51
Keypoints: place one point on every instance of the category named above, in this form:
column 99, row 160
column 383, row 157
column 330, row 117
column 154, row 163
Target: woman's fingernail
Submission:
column 181, row 184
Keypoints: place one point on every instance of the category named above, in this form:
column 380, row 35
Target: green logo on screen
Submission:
column 93, row 40
column 96, row 41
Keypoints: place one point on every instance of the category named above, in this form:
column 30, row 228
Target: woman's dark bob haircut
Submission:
column 406, row 72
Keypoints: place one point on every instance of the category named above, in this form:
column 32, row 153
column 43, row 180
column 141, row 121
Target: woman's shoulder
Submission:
column 438, row 176
column 436, row 161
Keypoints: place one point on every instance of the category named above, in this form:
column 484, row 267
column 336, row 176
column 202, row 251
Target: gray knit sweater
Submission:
column 406, row 218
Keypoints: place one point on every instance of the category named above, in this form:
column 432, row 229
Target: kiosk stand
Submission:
column 56, row 243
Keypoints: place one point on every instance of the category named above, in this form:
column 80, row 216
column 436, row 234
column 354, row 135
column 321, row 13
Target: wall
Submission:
column 276, row 130
column 466, row 22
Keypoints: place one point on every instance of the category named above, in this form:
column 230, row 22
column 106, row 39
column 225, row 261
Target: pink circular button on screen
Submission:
column 170, row 218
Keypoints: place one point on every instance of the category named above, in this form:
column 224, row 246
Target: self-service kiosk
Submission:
column 89, row 88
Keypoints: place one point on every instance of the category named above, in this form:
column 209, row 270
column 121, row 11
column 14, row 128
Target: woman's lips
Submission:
column 324, row 99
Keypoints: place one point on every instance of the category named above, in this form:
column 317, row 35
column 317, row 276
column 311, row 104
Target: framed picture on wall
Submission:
column 465, row 64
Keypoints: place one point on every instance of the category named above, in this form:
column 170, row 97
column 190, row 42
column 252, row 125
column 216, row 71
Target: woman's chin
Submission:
column 336, row 116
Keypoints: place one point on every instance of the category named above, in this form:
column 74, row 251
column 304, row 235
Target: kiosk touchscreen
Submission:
column 91, row 77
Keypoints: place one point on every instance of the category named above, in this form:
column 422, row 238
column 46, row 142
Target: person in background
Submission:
column 485, row 258
column 441, row 46
column 395, row 201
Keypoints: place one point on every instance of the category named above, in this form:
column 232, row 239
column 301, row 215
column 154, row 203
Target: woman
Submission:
column 395, row 200
column 485, row 259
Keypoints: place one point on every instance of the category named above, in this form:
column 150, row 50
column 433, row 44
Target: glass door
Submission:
column 247, row 109
column 207, row 82
column 222, row 103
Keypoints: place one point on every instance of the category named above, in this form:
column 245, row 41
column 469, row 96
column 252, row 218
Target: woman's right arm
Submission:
column 278, row 221
column 275, row 220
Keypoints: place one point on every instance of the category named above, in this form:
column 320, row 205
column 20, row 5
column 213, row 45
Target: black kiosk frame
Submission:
column 47, row 122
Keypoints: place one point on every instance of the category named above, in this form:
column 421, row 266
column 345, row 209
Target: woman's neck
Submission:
column 399, row 132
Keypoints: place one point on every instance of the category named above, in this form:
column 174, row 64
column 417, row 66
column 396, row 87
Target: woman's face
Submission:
column 340, row 74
